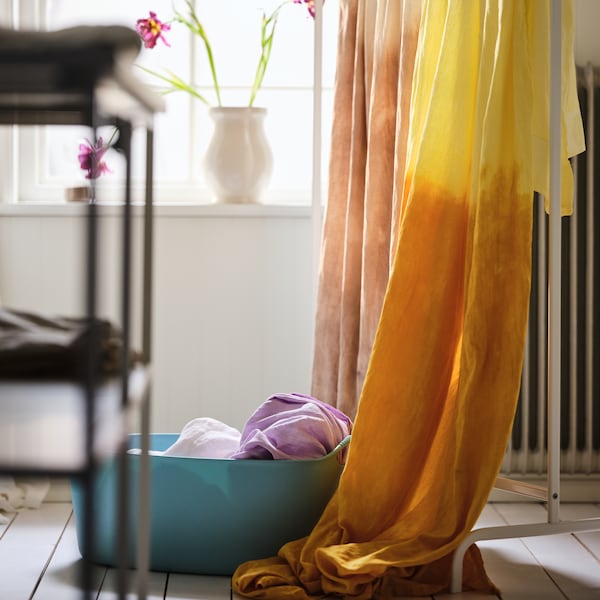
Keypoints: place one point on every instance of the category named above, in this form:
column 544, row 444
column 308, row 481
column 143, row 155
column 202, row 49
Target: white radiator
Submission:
column 580, row 376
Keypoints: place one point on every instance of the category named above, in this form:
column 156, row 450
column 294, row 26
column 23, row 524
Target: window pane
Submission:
column 171, row 147
column 183, row 132
column 69, row 13
column 236, row 53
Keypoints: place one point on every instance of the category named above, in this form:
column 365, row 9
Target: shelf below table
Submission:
column 43, row 423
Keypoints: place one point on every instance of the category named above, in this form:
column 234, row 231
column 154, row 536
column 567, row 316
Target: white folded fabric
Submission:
column 202, row 438
column 15, row 495
column 205, row 438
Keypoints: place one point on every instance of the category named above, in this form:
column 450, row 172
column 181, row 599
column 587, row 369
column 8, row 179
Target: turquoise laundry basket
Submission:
column 207, row 516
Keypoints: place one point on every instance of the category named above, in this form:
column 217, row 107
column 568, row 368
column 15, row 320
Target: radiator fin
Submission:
column 580, row 333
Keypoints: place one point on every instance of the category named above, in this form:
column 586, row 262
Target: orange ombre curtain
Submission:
column 442, row 382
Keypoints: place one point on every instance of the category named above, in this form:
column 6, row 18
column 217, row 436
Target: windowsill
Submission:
column 161, row 210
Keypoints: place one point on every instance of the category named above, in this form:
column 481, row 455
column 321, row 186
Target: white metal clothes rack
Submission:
column 550, row 494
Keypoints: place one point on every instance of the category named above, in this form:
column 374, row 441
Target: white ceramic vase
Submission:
column 238, row 162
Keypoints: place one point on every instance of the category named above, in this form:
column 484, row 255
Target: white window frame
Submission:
column 24, row 143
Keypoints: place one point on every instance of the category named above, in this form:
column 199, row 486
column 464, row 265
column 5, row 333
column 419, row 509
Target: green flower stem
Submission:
column 191, row 21
column 267, row 33
column 177, row 84
column 112, row 137
column 196, row 27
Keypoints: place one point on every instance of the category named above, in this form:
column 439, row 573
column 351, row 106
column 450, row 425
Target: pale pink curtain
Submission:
column 376, row 52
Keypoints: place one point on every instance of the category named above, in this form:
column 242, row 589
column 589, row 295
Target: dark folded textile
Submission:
column 98, row 45
column 33, row 346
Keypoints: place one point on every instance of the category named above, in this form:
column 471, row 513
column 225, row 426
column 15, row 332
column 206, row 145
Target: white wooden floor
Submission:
column 39, row 560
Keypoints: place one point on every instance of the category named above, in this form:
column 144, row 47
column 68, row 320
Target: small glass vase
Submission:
column 238, row 162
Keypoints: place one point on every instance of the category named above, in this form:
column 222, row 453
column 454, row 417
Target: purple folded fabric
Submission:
column 293, row 426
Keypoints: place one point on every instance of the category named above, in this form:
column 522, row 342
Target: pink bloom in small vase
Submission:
column 90, row 158
column 310, row 5
column 151, row 30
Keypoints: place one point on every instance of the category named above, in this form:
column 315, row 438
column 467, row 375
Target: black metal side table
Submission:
column 84, row 76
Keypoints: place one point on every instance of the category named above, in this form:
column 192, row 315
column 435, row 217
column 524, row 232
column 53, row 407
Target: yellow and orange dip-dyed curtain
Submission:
column 443, row 376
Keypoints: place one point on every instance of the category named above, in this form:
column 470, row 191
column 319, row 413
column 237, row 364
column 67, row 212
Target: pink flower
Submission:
column 311, row 6
column 90, row 158
column 151, row 30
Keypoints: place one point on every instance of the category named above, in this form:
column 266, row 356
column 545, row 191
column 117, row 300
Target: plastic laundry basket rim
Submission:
column 327, row 456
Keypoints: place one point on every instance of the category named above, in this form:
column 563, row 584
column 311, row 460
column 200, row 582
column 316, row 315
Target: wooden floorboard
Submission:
column 40, row 560
column 26, row 547
column 5, row 523
column 570, row 565
column 61, row 579
column 156, row 590
column 511, row 566
column 590, row 539
column 198, row 587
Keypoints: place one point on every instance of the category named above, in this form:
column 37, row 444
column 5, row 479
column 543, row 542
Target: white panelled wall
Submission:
column 233, row 299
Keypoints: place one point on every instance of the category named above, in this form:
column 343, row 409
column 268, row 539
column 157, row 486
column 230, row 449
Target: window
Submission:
column 183, row 131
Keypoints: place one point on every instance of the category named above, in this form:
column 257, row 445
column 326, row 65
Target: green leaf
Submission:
column 176, row 83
